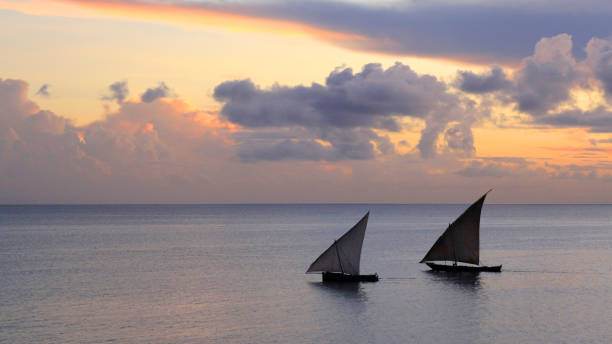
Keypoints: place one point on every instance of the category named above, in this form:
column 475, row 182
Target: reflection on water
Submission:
column 343, row 312
column 459, row 301
column 469, row 281
column 339, row 289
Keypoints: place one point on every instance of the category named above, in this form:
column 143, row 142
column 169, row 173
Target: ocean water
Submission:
column 235, row 274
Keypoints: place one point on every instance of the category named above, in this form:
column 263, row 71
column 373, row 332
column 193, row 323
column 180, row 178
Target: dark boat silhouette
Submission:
column 340, row 262
column 460, row 243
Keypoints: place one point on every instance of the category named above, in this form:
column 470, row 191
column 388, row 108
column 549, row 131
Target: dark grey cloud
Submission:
column 347, row 109
column 492, row 81
column 152, row 94
column 473, row 31
column 597, row 121
column 368, row 98
column 43, row 90
column 118, row 92
column 604, row 72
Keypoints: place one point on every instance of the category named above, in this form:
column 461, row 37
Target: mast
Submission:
column 454, row 250
column 454, row 254
column 338, row 254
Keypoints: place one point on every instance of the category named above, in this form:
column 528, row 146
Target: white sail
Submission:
column 344, row 254
column 460, row 242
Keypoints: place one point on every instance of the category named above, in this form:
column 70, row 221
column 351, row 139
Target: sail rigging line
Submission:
column 454, row 252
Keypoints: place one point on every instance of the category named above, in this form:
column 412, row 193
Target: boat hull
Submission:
column 340, row 277
column 463, row 268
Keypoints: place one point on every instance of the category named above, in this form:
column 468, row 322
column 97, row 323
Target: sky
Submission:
column 176, row 101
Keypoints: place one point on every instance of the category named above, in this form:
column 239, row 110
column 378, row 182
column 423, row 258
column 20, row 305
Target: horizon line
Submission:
column 272, row 203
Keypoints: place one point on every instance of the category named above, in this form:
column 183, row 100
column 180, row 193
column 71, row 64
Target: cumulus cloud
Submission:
column 142, row 150
column 368, row 98
column 151, row 94
column 43, row 90
column 36, row 147
column 543, row 84
column 118, row 91
column 545, row 78
column 347, row 112
column 459, row 138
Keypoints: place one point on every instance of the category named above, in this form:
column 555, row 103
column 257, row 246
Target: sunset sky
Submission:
column 194, row 101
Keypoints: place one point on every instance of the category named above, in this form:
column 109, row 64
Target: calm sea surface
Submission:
column 235, row 274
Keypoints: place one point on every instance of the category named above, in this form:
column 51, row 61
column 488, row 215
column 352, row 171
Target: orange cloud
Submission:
column 184, row 16
column 342, row 169
column 148, row 128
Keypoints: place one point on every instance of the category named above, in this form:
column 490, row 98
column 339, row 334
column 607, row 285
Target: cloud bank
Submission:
column 351, row 115
column 347, row 114
column 316, row 142
column 474, row 31
column 141, row 152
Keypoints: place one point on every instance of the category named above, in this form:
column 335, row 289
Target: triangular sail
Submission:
column 344, row 254
column 460, row 242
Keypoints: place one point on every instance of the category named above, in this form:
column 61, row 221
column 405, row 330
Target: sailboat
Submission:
column 460, row 243
column 340, row 262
